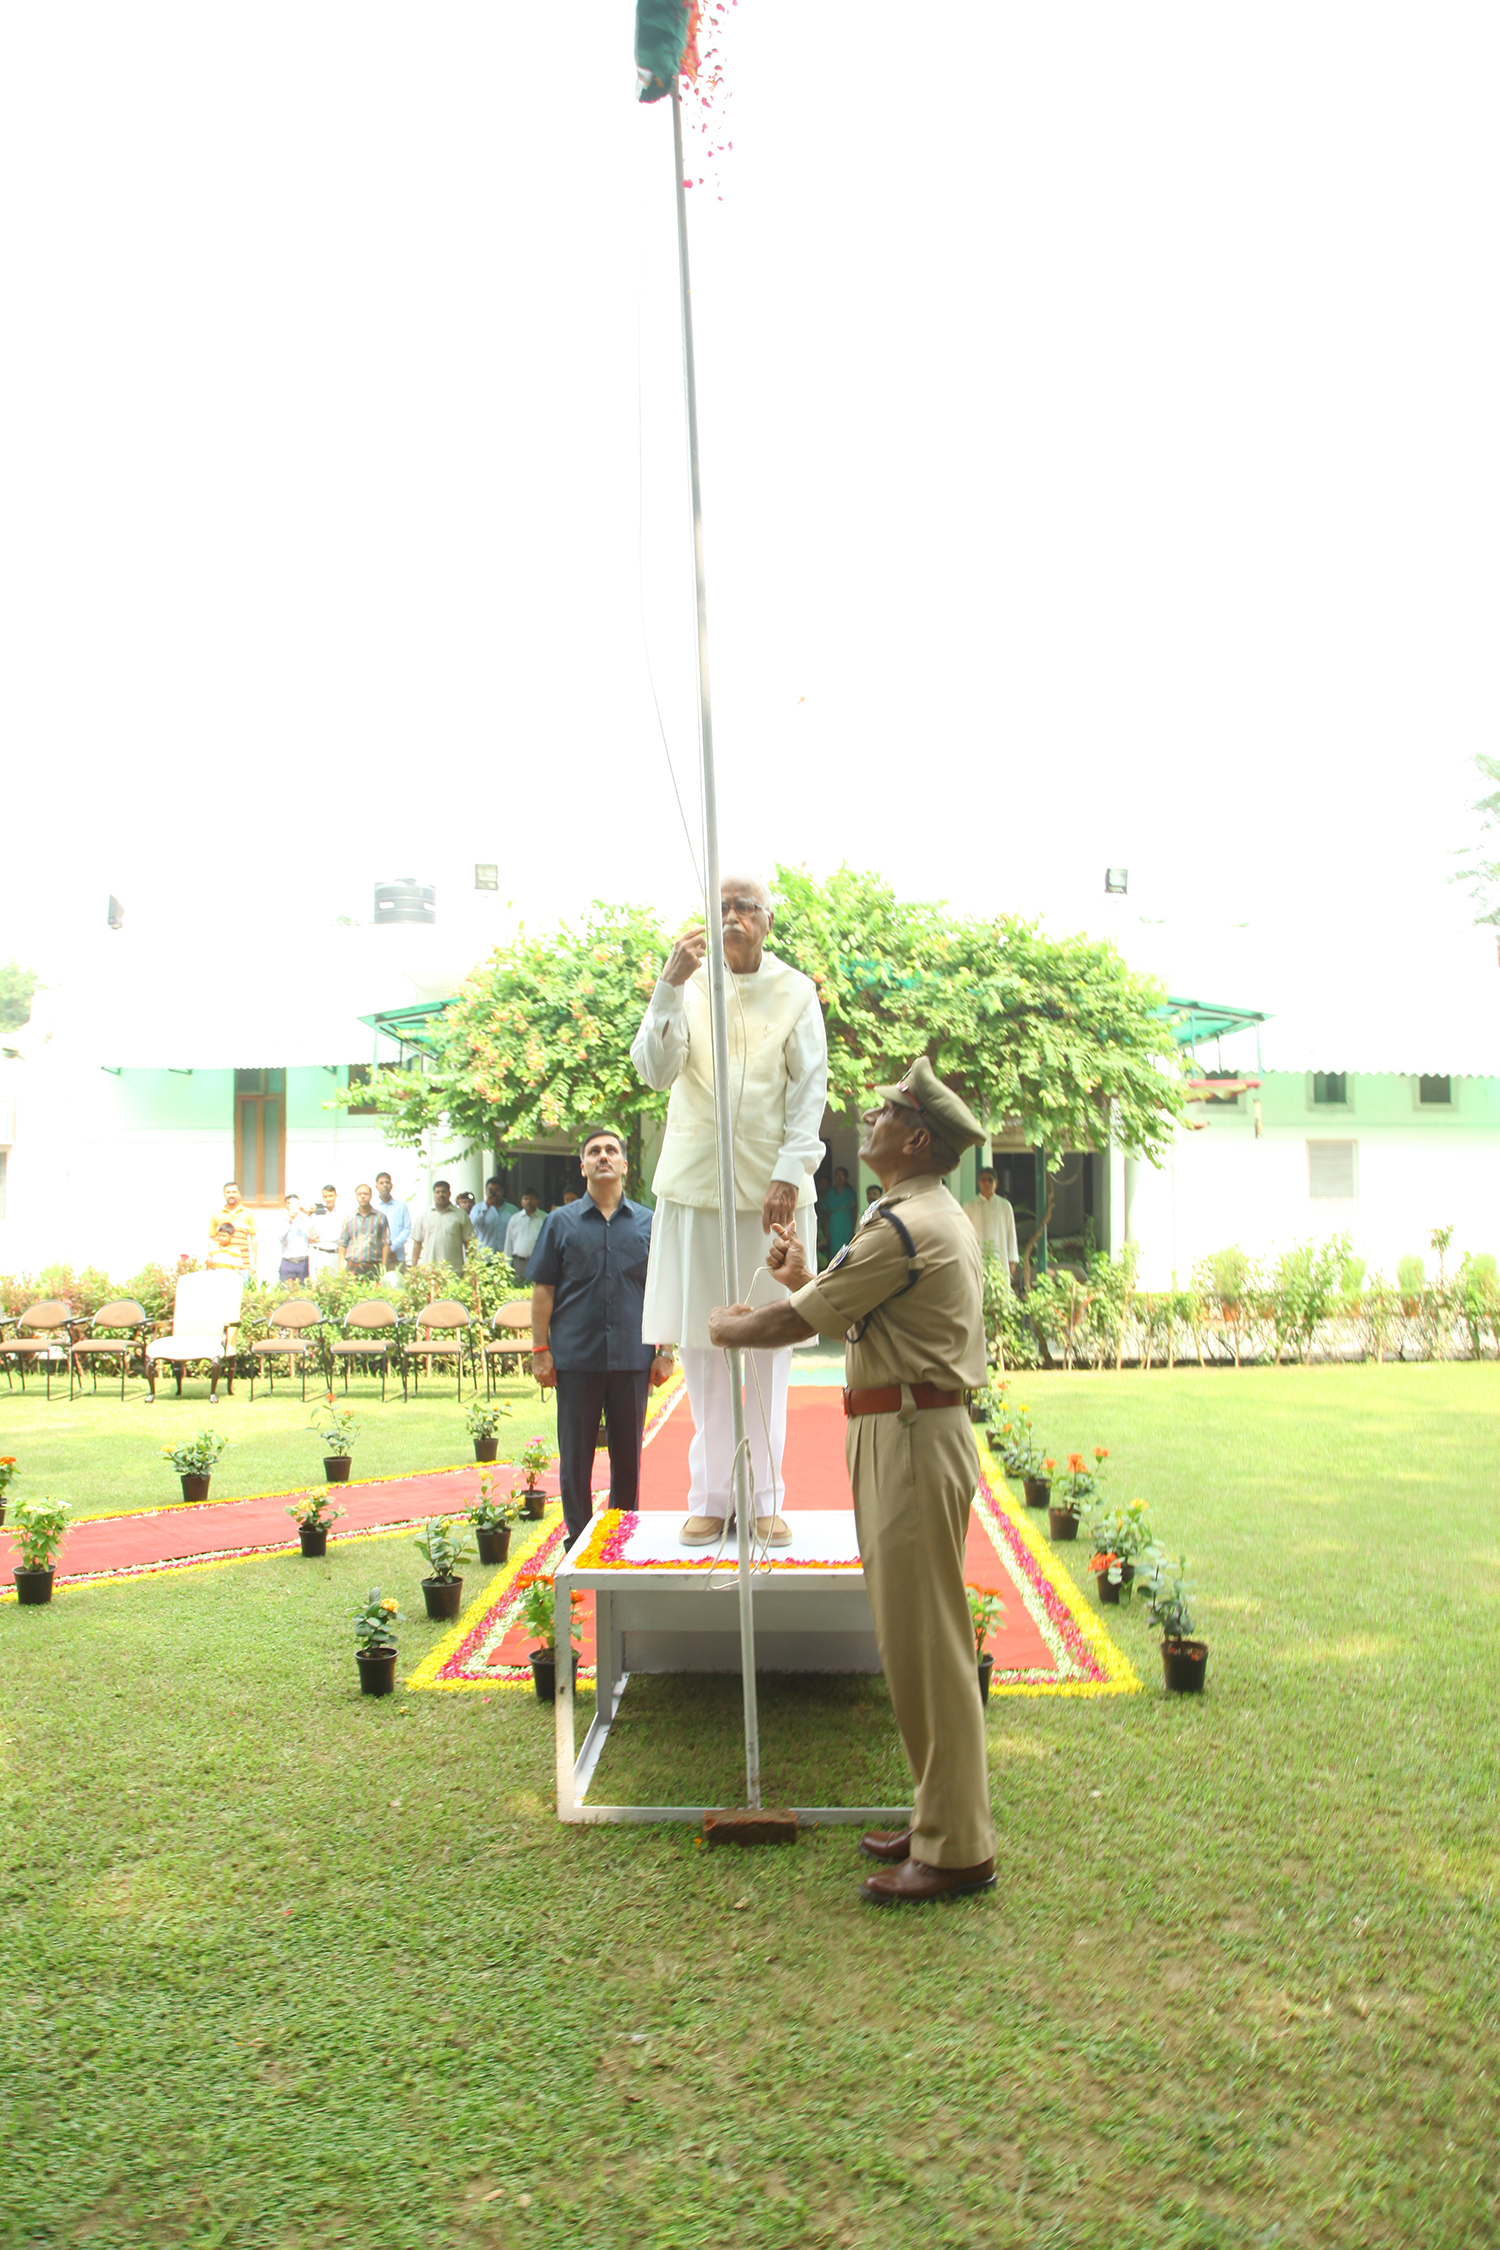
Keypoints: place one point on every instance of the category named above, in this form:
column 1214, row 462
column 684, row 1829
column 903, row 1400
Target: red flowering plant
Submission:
column 7, row 1471
column 986, row 1611
column 536, row 1589
column 1121, row 1536
column 1080, row 1483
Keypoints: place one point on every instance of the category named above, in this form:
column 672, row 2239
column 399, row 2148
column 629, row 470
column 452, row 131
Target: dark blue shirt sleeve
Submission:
column 545, row 1262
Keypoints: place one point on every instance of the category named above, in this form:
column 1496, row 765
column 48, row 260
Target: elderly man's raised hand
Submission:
column 787, row 1259
column 686, row 956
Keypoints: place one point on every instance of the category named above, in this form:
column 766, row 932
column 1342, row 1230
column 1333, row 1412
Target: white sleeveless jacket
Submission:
column 763, row 1011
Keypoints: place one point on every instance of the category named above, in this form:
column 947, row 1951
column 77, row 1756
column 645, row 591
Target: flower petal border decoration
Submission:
column 1086, row 1659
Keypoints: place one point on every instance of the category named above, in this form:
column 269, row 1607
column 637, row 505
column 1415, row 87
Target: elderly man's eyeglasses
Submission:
column 744, row 907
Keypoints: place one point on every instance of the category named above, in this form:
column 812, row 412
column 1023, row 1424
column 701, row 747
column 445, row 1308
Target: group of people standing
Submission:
column 379, row 1232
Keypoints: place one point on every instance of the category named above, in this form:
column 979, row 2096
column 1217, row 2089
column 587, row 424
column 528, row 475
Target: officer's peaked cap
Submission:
column 947, row 1113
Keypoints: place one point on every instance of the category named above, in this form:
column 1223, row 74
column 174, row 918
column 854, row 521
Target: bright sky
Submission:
column 1099, row 449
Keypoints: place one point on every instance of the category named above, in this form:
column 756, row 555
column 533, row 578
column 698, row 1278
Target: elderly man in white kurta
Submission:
column 778, row 1089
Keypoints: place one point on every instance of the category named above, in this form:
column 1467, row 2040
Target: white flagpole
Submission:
column 741, row 1490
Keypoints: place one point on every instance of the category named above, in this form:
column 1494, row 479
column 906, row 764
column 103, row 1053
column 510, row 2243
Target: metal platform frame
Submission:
column 575, row 1767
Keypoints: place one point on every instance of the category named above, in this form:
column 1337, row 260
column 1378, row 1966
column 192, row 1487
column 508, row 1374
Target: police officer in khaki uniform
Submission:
column 907, row 1295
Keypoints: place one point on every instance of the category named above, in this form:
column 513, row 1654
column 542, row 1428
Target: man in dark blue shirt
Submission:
column 588, row 1277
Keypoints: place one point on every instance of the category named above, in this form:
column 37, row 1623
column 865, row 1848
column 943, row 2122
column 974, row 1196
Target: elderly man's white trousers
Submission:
column 711, row 1454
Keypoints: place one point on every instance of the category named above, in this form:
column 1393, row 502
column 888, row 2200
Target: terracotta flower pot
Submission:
column 313, row 1538
column 377, row 1671
column 336, row 1467
column 1062, row 1523
column 443, row 1596
column 486, row 1448
column 494, row 1543
column 1184, row 1666
column 1038, row 1491
column 33, row 1585
column 194, row 1488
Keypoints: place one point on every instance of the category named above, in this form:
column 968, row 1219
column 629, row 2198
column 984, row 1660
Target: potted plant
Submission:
column 1068, row 1494
column 442, row 1549
column 483, row 1419
column 314, row 1519
column 338, row 1429
column 1010, row 1437
column 987, row 1406
column 194, row 1461
column 985, row 1612
column 534, row 1458
column 1120, row 1536
column 375, row 1642
column 8, row 1474
column 37, row 1528
column 1184, row 1661
column 1036, row 1477
column 537, row 1608
column 492, row 1520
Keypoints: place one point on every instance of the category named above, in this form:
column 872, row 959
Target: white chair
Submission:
column 205, row 1314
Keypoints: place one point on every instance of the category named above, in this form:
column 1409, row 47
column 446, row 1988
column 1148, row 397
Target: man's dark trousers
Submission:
column 582, row 1396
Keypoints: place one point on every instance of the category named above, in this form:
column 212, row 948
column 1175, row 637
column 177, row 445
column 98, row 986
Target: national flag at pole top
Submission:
column 666, row 45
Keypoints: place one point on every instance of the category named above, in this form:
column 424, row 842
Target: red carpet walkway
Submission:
column 167, row 1538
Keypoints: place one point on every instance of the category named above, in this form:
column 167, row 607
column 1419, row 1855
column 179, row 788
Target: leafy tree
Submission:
column 16, row 988
column 1482, row 873
column 1057, row 1033
column 537, row 1039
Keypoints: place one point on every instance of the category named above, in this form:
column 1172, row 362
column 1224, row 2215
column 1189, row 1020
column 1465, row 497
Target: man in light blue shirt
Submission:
column 521, row 1233
column 397, row 1218
column 491, row 1217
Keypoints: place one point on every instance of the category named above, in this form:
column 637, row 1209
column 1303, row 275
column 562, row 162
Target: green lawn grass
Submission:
column 291, row 1968
column 104, row 1455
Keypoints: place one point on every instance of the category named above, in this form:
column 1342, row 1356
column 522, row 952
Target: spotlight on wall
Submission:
column 1116, row 881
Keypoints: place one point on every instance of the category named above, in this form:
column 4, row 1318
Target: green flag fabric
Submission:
column 665, row 45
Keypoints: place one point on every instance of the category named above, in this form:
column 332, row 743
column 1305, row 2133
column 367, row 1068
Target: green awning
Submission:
column 412, row 1025
column 1193, row 1020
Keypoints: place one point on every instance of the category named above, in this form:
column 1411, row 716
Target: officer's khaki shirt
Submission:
column 931, row 1333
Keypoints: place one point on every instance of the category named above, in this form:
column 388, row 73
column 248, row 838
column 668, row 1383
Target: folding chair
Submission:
column 294, row 1323
column 511, row 1324
column 45, row 1332
column 120, row 1313
column 205, row 1314
column 375, row 1324
column 438, row 1337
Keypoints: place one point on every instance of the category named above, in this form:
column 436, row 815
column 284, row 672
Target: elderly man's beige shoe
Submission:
column 701, row 1531
column 773, row 1531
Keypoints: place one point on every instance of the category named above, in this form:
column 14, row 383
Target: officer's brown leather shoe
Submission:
column 913, row 1882
column 773, row 1531
column 889, row 1845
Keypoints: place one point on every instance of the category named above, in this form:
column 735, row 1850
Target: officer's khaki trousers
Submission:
column 913, row 1484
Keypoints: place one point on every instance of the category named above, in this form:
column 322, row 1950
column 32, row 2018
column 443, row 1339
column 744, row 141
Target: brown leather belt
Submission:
column 887, row 1399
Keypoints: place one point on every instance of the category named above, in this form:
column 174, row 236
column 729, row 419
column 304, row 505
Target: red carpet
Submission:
column 104, row 1545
